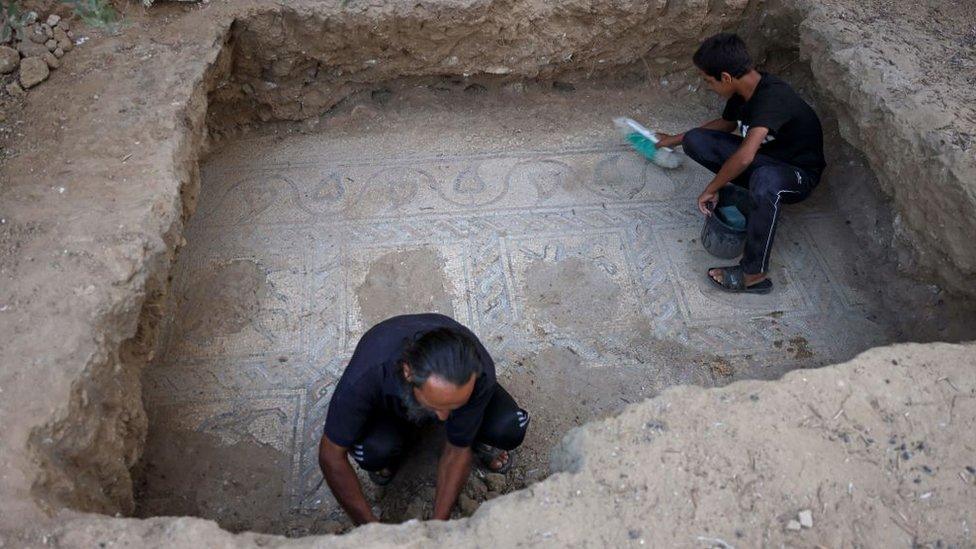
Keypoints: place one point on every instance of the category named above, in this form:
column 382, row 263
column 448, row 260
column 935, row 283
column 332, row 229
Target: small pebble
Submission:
column 793, row 525
column 496, row 482
column 806, row 518
column 36, row 34
column 467, row 504
column 51, row 60
column 53, row 20
column 15, row 89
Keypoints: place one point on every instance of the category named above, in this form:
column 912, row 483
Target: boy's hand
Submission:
column 667, row 140
column 707, row 201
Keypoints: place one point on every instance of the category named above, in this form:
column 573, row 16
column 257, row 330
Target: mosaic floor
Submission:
column 296, row 250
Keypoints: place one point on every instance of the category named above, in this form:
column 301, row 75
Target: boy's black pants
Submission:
column 770, row 183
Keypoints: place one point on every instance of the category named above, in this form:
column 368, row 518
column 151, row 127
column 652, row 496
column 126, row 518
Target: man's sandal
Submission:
column 487, row 454
column 734, row 281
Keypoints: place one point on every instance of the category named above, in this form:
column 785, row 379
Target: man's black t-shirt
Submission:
column 795, row 135
column 372, row 383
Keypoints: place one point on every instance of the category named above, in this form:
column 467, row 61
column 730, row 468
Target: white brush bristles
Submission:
column 667, row 158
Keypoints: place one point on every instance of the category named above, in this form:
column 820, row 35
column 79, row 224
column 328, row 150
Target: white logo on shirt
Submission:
column 744, row 129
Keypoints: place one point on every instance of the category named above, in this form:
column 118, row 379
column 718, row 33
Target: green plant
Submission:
column 12, row 19
column 97, row 13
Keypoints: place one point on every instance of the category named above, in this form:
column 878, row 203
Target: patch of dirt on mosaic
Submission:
column 571, row 293
column 233, row 293
column 193, row 473
column 404, row 282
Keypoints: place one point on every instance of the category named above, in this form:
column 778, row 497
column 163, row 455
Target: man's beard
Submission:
column 416, row 413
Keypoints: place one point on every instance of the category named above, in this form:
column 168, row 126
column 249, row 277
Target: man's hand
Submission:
column 343, row 481
column 452, row 472
column 669, row 141
column 707, row 201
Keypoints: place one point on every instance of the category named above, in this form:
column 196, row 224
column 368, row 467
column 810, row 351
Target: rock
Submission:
column 53, row 20
column 468, row 506
column 61, row 37
column 498, row 69
column 363, row 112
column 496, row 481
column 59, row 53
column 36, row 35
column 15, row 89
column 476, row 488
column 47, row 30
column 51, row 60
column 51, row 45
column 33, row 71
column 491, row 495
column 514, row 88
column 331, row 527
column 415, row 510
column 806, row 518
column 9, row 59
column 793, row 525
column 31, row 49
column 63, row 25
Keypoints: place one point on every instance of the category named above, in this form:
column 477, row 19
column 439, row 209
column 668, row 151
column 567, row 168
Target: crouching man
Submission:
column 407, row 371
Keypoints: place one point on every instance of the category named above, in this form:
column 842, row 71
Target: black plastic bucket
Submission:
column 719, row 237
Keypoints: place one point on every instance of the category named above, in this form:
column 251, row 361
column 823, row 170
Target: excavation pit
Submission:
column 466, row 151
column 513, row 208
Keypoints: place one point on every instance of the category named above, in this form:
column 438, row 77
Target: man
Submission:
column 768, row 140
column 406, row 371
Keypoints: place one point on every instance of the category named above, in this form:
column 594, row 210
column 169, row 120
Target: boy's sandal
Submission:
column 487, row 454
column 734, row 281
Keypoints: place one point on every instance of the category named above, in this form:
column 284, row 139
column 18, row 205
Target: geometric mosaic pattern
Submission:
column 265, row 292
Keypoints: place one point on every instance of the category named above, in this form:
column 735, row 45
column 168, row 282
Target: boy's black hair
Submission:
column 445, row 353
column 724, row 52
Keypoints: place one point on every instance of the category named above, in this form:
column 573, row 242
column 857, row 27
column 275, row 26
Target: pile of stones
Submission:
column 36, row 50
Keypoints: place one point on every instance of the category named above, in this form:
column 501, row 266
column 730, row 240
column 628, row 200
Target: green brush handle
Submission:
column 643, row 145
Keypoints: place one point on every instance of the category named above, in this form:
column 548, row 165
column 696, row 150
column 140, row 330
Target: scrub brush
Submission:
column 643, row 141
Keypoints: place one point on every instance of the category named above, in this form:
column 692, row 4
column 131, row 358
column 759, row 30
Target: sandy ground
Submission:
column 515, row 210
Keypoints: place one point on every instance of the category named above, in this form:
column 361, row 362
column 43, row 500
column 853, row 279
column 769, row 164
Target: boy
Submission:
column 768, row 140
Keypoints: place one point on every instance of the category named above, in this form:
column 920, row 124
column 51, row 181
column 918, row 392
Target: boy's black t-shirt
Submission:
column 795, row 135
column 372, row 383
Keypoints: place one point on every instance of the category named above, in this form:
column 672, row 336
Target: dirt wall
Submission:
column 300, row 61
column 899, row 93
column 863, row 454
